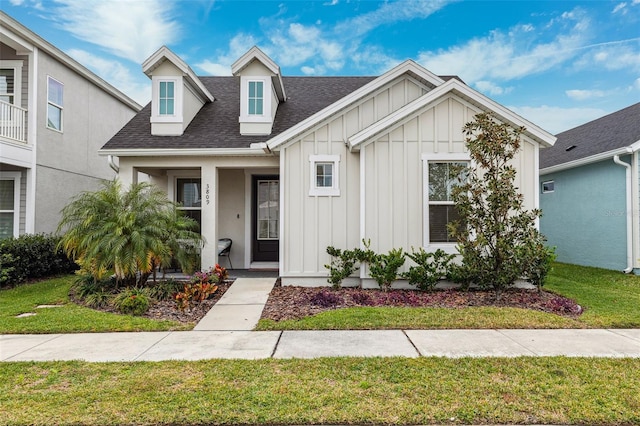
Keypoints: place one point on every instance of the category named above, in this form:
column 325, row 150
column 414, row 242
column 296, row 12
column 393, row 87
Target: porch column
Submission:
column 209, row 227
column 127, row 174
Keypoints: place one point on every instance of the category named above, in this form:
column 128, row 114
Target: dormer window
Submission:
column 256, row 97
column 167, row 98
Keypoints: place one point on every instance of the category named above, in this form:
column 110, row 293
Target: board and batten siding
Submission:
column 311, row 223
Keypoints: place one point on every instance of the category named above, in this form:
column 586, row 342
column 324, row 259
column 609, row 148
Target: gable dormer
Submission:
column 177, row 93
column 261, row 91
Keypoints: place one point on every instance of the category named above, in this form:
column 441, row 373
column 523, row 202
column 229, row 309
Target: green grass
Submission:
column 324, row 391
column 610, row 298
column 369, row 318
column 69, row 318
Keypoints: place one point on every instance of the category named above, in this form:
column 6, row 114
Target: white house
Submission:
column 286, row 166
column 54, row 116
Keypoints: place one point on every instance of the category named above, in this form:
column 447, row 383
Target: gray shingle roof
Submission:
column 216, row 124
column 614, row 131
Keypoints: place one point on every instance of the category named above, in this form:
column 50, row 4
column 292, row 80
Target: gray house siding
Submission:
column 585, row 232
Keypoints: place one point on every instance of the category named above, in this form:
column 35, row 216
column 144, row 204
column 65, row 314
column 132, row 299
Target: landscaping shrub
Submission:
column 343, row 265
column 326, row 299
column 430, row 268
column 31, row 256
column 384, row 267
column 132, row 301
column 164, row 290
column 203, row 284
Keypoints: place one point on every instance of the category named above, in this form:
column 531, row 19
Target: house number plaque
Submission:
column 207, row 195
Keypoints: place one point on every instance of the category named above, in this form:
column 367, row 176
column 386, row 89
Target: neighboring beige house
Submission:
column 54, row 116
column 286, row 166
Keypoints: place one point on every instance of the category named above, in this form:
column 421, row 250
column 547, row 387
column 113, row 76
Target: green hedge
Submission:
column 31, row 256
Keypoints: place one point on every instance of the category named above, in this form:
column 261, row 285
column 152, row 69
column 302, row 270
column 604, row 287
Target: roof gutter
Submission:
column 616, row 159
column 259, row 149
column 587, row 160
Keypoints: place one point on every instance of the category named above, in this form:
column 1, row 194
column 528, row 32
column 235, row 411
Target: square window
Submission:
column 548, row 186
column 324, row 175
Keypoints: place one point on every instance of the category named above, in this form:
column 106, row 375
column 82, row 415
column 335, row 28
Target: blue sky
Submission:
column 557, row 63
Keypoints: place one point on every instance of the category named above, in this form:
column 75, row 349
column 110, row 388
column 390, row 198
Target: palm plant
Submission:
column 127, row 233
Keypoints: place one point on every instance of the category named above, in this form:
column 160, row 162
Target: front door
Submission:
column 266, row 218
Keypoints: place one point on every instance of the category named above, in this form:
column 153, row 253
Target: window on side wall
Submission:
column 324, row 175
column 441, row 175
column 189, row 196
column 9, row 204
column 55, row 91
column 548, row 186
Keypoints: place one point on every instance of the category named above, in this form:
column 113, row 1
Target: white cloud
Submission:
column 619, row 55
column 557, row 119
column 221, row 65
column 16, row 2
column 620, row 7
column 583, row 95
column 131, row 29
column 636, row 84
column 130, row 82
column 492, row 89
column 518, row 53
column 308, row 70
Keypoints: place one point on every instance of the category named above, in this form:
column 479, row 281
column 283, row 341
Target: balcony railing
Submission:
column 13, row 122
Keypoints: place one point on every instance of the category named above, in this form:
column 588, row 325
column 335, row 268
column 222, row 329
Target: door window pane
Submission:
column 7, row 194
column 268, row 209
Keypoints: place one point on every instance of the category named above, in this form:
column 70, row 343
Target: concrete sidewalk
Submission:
column 196, row 345
column 225, row 332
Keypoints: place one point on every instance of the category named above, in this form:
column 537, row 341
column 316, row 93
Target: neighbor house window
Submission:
column 189, row 196
column 256, row 97
column 324, row 175
column 55, row 91
column 548, row 186
column 166, row 98
column 9, row 204
column 7, row 85
column 442, row 173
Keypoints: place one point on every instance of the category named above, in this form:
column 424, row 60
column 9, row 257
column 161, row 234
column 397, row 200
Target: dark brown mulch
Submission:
column 296, row 302
column 166, row 309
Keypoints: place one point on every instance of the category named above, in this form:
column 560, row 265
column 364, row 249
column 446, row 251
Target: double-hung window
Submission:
column 166, row 98
column 442, row 174
column 189, row 196
column 55, row 91
column 324, row 175
column 9, row 204
column 256, row 98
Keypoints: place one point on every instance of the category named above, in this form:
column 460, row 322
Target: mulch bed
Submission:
column 291, row 302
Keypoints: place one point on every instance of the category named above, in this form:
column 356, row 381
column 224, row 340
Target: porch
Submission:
column 230, row 197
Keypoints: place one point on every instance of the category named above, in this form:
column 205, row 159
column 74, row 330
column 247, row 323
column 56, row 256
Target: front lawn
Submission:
column 69, row 318
column 609, row 299
column 324, row 391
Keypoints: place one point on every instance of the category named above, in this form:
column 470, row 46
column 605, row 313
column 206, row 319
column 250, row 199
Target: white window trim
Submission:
column 15, row 176
column 449, row 248
column 17, row 79
column 61, row 129
column 267, row 89
column 545, row 183
column 332, row 191
column 176, row 117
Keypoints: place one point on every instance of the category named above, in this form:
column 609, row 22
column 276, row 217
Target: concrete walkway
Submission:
column 225, row 333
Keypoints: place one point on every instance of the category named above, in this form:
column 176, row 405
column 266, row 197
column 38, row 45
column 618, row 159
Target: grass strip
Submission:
column 380, row 318
column 69, row 318
column 323, row 391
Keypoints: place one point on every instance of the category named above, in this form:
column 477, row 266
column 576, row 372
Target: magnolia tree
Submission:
column 497, row 238
column 127, row 233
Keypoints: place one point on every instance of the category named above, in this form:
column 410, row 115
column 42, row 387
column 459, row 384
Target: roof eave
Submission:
column 254, row 150
column 591, row 159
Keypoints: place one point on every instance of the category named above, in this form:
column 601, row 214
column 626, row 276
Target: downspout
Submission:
column 616, row 159
column 112, row 164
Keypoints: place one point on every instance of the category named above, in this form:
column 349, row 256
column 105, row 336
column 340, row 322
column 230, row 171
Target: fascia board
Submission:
column 459, row 89
column 591, row 159
column 164, row 53
column 254, row 53
column 31, row 40
column 161, row 152
column 404, row 67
